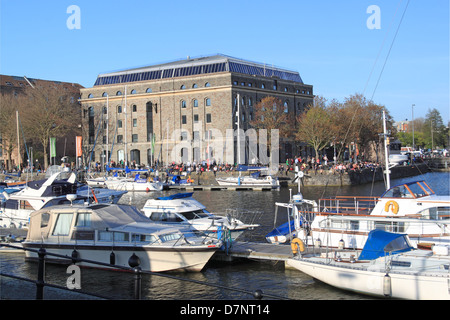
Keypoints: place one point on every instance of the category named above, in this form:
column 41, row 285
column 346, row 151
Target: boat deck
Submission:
column 219, row 188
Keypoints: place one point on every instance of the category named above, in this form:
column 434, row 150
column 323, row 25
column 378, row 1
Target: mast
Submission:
column 386, row 154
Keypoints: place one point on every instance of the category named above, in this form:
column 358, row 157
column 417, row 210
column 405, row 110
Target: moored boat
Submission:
column 388, row 266
column 183, row 209
column 112, row 234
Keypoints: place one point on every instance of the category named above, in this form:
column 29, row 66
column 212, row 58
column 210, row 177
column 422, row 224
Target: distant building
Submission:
column 16, row 85
column 402, row 126
column 190, row 101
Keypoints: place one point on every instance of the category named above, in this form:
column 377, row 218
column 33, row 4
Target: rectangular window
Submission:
column 195, row 118
column 119, row 138
column 183, row 120
column 134, row 138
column 208, row 118
column 83, row 220
column 63, row 223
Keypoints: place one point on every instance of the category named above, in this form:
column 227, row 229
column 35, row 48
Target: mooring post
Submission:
column 40, row 277
column 137, row 283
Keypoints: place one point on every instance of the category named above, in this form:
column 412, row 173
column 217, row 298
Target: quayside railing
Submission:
column 133, row 263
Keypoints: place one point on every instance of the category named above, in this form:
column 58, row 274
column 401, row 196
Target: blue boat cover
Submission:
column 177, row 196
column 380, row 243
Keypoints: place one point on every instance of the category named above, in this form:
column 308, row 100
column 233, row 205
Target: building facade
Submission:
column 65, row 146
column 182, row 111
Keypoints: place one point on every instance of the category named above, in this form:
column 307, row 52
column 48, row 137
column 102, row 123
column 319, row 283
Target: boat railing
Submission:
column 133, row 263
column 342, row 204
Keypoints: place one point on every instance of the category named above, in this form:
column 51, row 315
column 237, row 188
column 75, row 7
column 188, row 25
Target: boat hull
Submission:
column 403, row 286
column 154, row 259
column 134, row 186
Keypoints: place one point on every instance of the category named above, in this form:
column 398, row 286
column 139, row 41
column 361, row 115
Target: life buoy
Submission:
column 394, row 206
column 297, row 245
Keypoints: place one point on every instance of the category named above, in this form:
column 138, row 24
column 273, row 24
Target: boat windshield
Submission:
column 191, row 215
column 170, row 236
column 398, row 244
column 410, row 190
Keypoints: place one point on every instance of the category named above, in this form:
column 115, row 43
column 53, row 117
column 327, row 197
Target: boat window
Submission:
column 165, row 216
column 398, row 192
column 170, row 236
column 399, row 243
column 118, row 236
column 45, row 217
column 83, row 220
column 417, row 190
column 436, row 213
column 63, row 223
column 390, row 226
column 147, row 238
column 190, row 215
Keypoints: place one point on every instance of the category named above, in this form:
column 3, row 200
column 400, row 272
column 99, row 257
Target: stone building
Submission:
column 182, row 110
column 65, row 146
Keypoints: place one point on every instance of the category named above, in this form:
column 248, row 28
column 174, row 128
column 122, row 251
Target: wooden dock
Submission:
column 256, row 251
column 219, row 188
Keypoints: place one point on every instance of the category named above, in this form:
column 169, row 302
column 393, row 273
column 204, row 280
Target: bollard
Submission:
column 137, row 283
column 258, row 294
column 41, row 272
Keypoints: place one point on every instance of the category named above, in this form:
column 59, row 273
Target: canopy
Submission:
column 381, row 243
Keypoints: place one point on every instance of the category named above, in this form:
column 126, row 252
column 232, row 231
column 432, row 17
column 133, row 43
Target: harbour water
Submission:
column 270, row 277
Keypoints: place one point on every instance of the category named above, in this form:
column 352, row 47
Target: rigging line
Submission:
column 390, row 48
column 382, row 46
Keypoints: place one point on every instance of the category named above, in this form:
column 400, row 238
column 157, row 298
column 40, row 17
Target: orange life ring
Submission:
column 394, row 206
column 297, row 245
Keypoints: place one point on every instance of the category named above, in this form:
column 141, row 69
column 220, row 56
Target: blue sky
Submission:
column 327, row 41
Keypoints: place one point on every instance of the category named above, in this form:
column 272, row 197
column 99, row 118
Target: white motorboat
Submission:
column 183, row 209
column 110, row 233
column 17, row 206
column 412, row 208
column 255, row 179
column 136, row 184
column 388, row 266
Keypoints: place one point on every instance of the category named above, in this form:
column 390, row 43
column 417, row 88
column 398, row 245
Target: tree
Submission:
column 50, row 112
column 434, row 130
column 9, row 104
column 314, row 125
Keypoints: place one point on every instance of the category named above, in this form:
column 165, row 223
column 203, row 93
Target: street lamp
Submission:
column 413, row 125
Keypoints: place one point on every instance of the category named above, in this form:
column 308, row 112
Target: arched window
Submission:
column 183, row 104
column 194, row 86
column 195, row 103
column 119, row 109
column 105, row 110
column 286, row 107
column 149, row 90
column 104, row 94
column 208, row 102
column 134, row 108
column 183, row 87
column 90, row 96
column 133, row 91
column 118, row 93
column 207, row 84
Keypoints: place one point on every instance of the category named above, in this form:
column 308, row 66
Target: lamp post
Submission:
column 412, row 107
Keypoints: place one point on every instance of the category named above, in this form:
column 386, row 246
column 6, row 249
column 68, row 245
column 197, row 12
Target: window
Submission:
column 90, row 96
column 208, row 118
column 195, row 118
column 208, row 102
column 45, row 218
column 194, row 86
column 119, row 138
column 105, row 110
column 183, row 104
column 207, row 85
column 63, row 223
column 109, row 236
column 118, row 93
column 286, row 89
column 263, row 86
column 134, row 123
column 134, row 138
column 119, row 123
column 195, row 103
column 183, row 120
column 133, row 91
column 104, row 94
column 286, row 107
column 119, row 109
column 149, row 90
column 83, row 220
column 183, row 87
column 134, row 108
